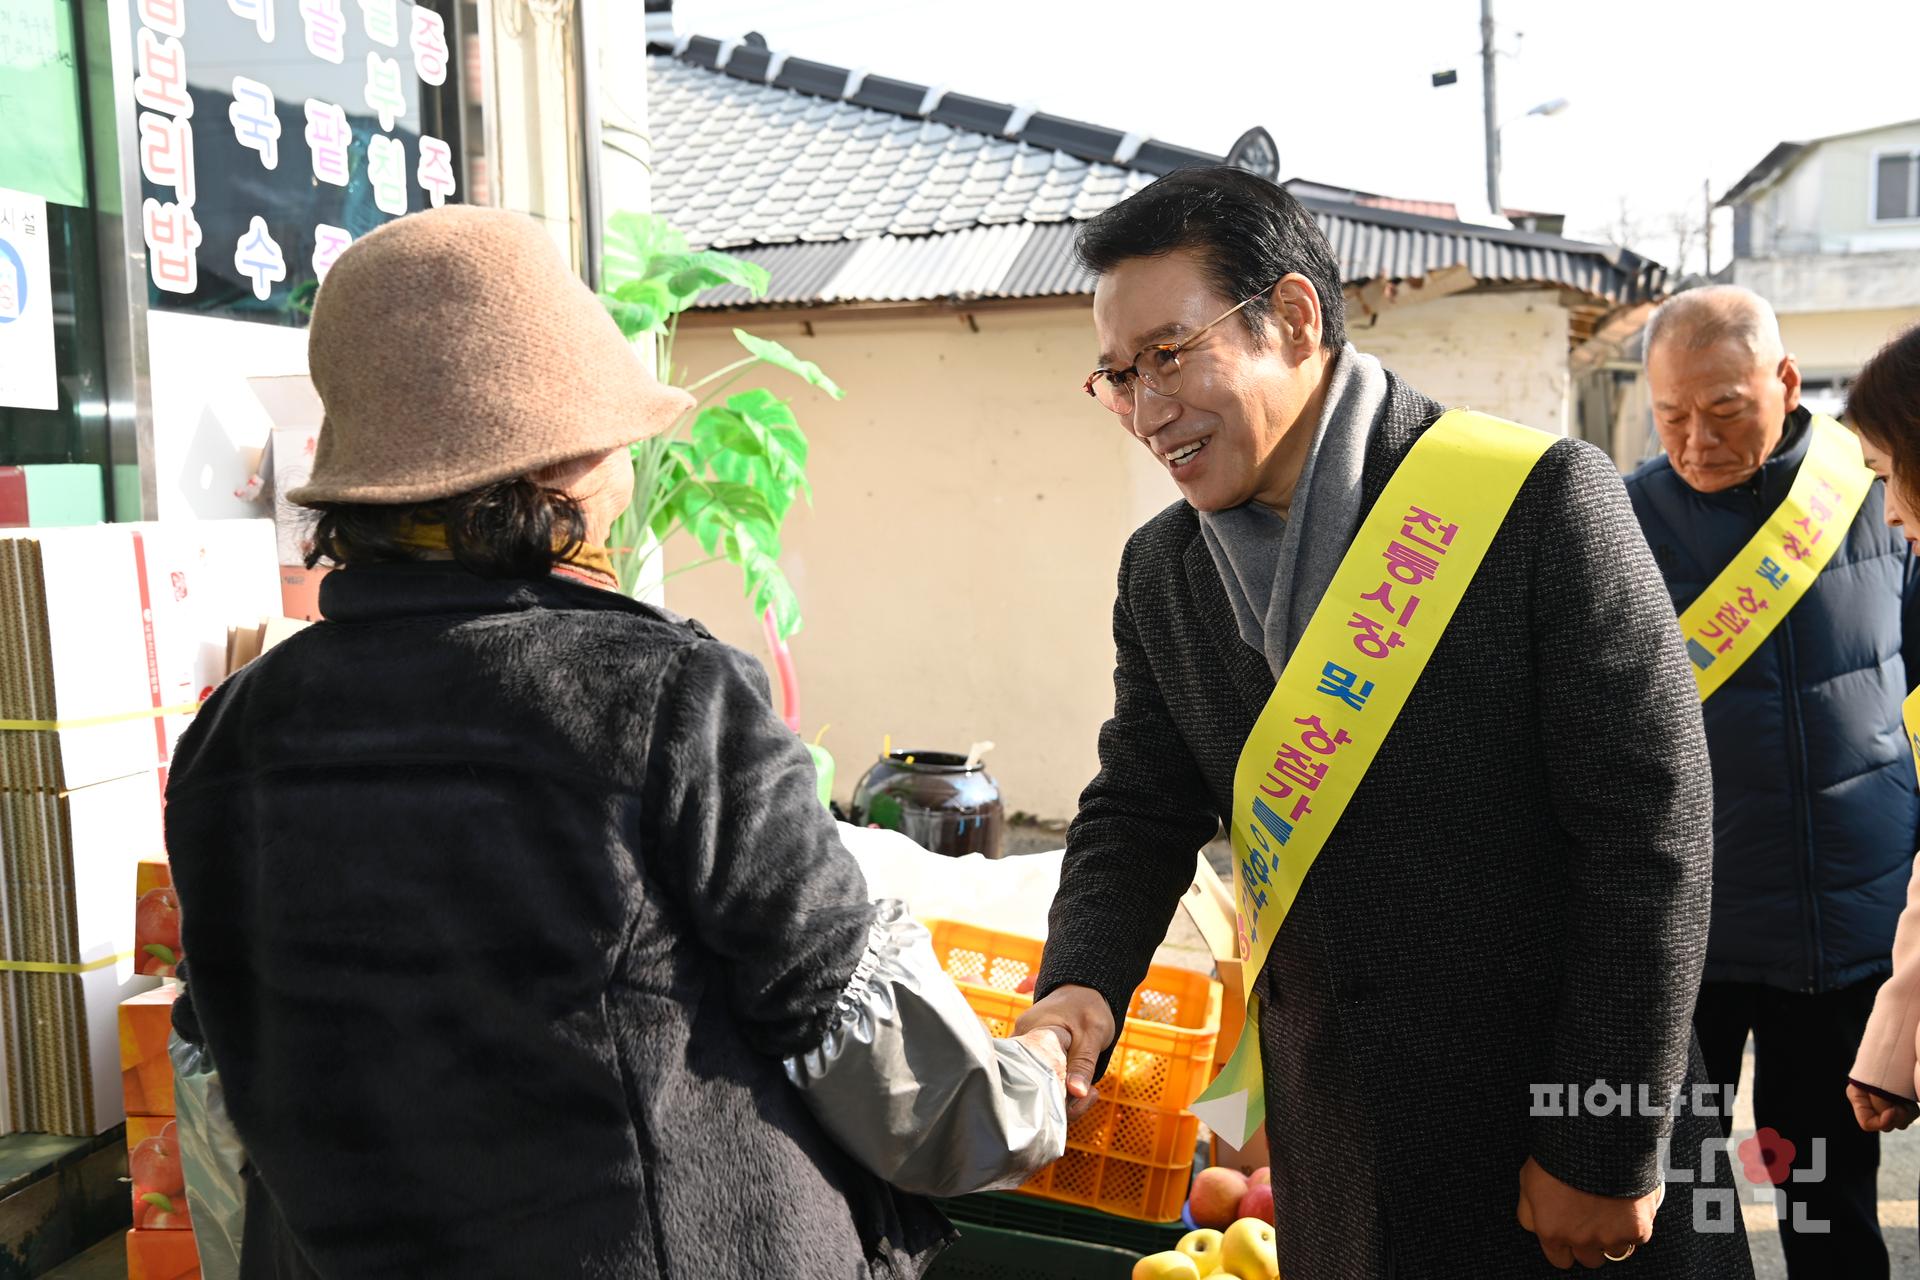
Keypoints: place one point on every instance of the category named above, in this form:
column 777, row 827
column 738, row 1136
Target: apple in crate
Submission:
column 1216, row 1195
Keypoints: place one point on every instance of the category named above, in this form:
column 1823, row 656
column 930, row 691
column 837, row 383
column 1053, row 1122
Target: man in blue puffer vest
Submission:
column 1814, row 804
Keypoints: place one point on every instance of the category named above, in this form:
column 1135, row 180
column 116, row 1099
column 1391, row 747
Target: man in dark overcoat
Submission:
column 1513, row 908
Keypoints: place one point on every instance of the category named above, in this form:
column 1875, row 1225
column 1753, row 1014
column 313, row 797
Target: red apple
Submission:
column 1215, row 1197
column 155, row 1166
column 1026, row 985
column 1261, row 1177
column 156, row 931
column 1257, row 1203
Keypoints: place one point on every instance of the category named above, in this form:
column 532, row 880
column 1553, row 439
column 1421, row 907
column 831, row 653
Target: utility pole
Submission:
column 1487, row 56
column 1706, row 190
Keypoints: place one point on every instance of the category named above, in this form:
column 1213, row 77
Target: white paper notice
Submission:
column 26, row 305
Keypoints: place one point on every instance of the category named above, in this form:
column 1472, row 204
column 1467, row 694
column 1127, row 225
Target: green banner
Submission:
column 42, row 149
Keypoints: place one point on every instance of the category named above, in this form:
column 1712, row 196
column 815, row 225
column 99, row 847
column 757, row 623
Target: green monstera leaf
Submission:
column 729, row 473
column 780, row 358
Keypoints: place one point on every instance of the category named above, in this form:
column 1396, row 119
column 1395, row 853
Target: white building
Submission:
column 1828, row 231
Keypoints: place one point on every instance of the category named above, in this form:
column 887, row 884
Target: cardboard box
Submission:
column 293, row 451
column 156, row 933
column 300, row 592
column 159, row 1177
column 161, row 1255
column 1209, row 904
column 73, row 648
column 146, row 1072
column 69, row 864
column 1246, row 1159
column 156, row 920
column 102, row 625
column 202, row 577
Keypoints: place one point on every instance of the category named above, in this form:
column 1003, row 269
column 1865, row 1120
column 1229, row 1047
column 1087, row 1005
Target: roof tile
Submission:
column 863, row 199
column 903, row 97
column 982, row 115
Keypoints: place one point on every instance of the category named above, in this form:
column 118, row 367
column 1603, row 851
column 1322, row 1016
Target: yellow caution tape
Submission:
column 90, row 722
column 41, row 966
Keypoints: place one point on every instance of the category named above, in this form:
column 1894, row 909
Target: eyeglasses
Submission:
column 1158, row 366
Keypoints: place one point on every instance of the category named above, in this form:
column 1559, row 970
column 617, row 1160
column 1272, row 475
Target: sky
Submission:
column 1664, row 97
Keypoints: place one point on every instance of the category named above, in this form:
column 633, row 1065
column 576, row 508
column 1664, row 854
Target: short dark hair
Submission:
column 1248, row 231
column 1884, row 406
column 514, row 529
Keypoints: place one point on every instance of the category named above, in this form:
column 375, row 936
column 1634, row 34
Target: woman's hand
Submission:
column 1049, row 1044
column 1080, row 1016
column 1877, row 1114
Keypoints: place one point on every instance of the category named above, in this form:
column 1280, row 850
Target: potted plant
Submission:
column 728, row 471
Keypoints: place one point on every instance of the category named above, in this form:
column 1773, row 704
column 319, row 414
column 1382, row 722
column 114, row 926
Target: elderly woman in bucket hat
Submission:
column 518, row 935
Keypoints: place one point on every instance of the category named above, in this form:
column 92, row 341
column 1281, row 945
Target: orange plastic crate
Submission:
column 1131, row 1153
column 1115, row 1184
column 1164, row 1057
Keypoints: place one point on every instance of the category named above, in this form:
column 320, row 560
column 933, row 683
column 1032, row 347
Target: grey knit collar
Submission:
column 1276, row 568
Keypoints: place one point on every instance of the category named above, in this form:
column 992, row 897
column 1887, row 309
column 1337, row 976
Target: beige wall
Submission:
column 1839, row 342
column 1504, row 353
column 956, row 571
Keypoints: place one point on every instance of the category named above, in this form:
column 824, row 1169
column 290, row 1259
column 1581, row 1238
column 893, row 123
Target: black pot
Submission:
column 935, row 800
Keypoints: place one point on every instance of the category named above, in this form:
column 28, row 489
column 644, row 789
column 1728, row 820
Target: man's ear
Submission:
column 1789, row 375
column 1297, row 316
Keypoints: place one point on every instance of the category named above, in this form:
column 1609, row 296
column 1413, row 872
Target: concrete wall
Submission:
column 1833, row 282
column 957, row 569
column 1505, row 353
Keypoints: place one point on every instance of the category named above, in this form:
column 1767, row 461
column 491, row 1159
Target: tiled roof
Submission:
column 741, row 163
column 852, row 188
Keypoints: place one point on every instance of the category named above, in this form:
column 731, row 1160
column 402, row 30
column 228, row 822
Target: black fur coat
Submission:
column 505, row 900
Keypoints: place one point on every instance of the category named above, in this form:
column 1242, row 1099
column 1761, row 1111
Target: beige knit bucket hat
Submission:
column 453, row 349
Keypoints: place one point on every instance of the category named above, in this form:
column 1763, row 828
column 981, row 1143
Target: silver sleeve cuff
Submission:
column 910, row 1084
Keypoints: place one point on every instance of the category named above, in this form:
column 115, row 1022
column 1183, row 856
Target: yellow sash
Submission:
column 1741, row 607
column 1363, row 651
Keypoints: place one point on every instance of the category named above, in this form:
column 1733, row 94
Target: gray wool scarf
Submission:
column 1275, row 568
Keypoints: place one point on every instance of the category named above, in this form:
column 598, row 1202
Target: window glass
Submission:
column 1895, row 188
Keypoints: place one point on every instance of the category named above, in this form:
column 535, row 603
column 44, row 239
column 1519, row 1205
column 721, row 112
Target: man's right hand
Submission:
column 1080, row 1013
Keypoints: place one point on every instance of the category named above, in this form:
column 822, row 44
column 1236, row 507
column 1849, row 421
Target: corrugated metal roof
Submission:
column 844, row 202
column 960, row 264
column 796, row 273
column 1046, row 265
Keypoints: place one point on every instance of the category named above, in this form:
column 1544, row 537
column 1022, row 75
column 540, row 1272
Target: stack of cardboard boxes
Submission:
column 160, row 1246
column 109, row 638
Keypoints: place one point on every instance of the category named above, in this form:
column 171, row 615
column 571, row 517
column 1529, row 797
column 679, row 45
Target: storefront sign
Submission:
column 274, row 133
column 26, row 305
